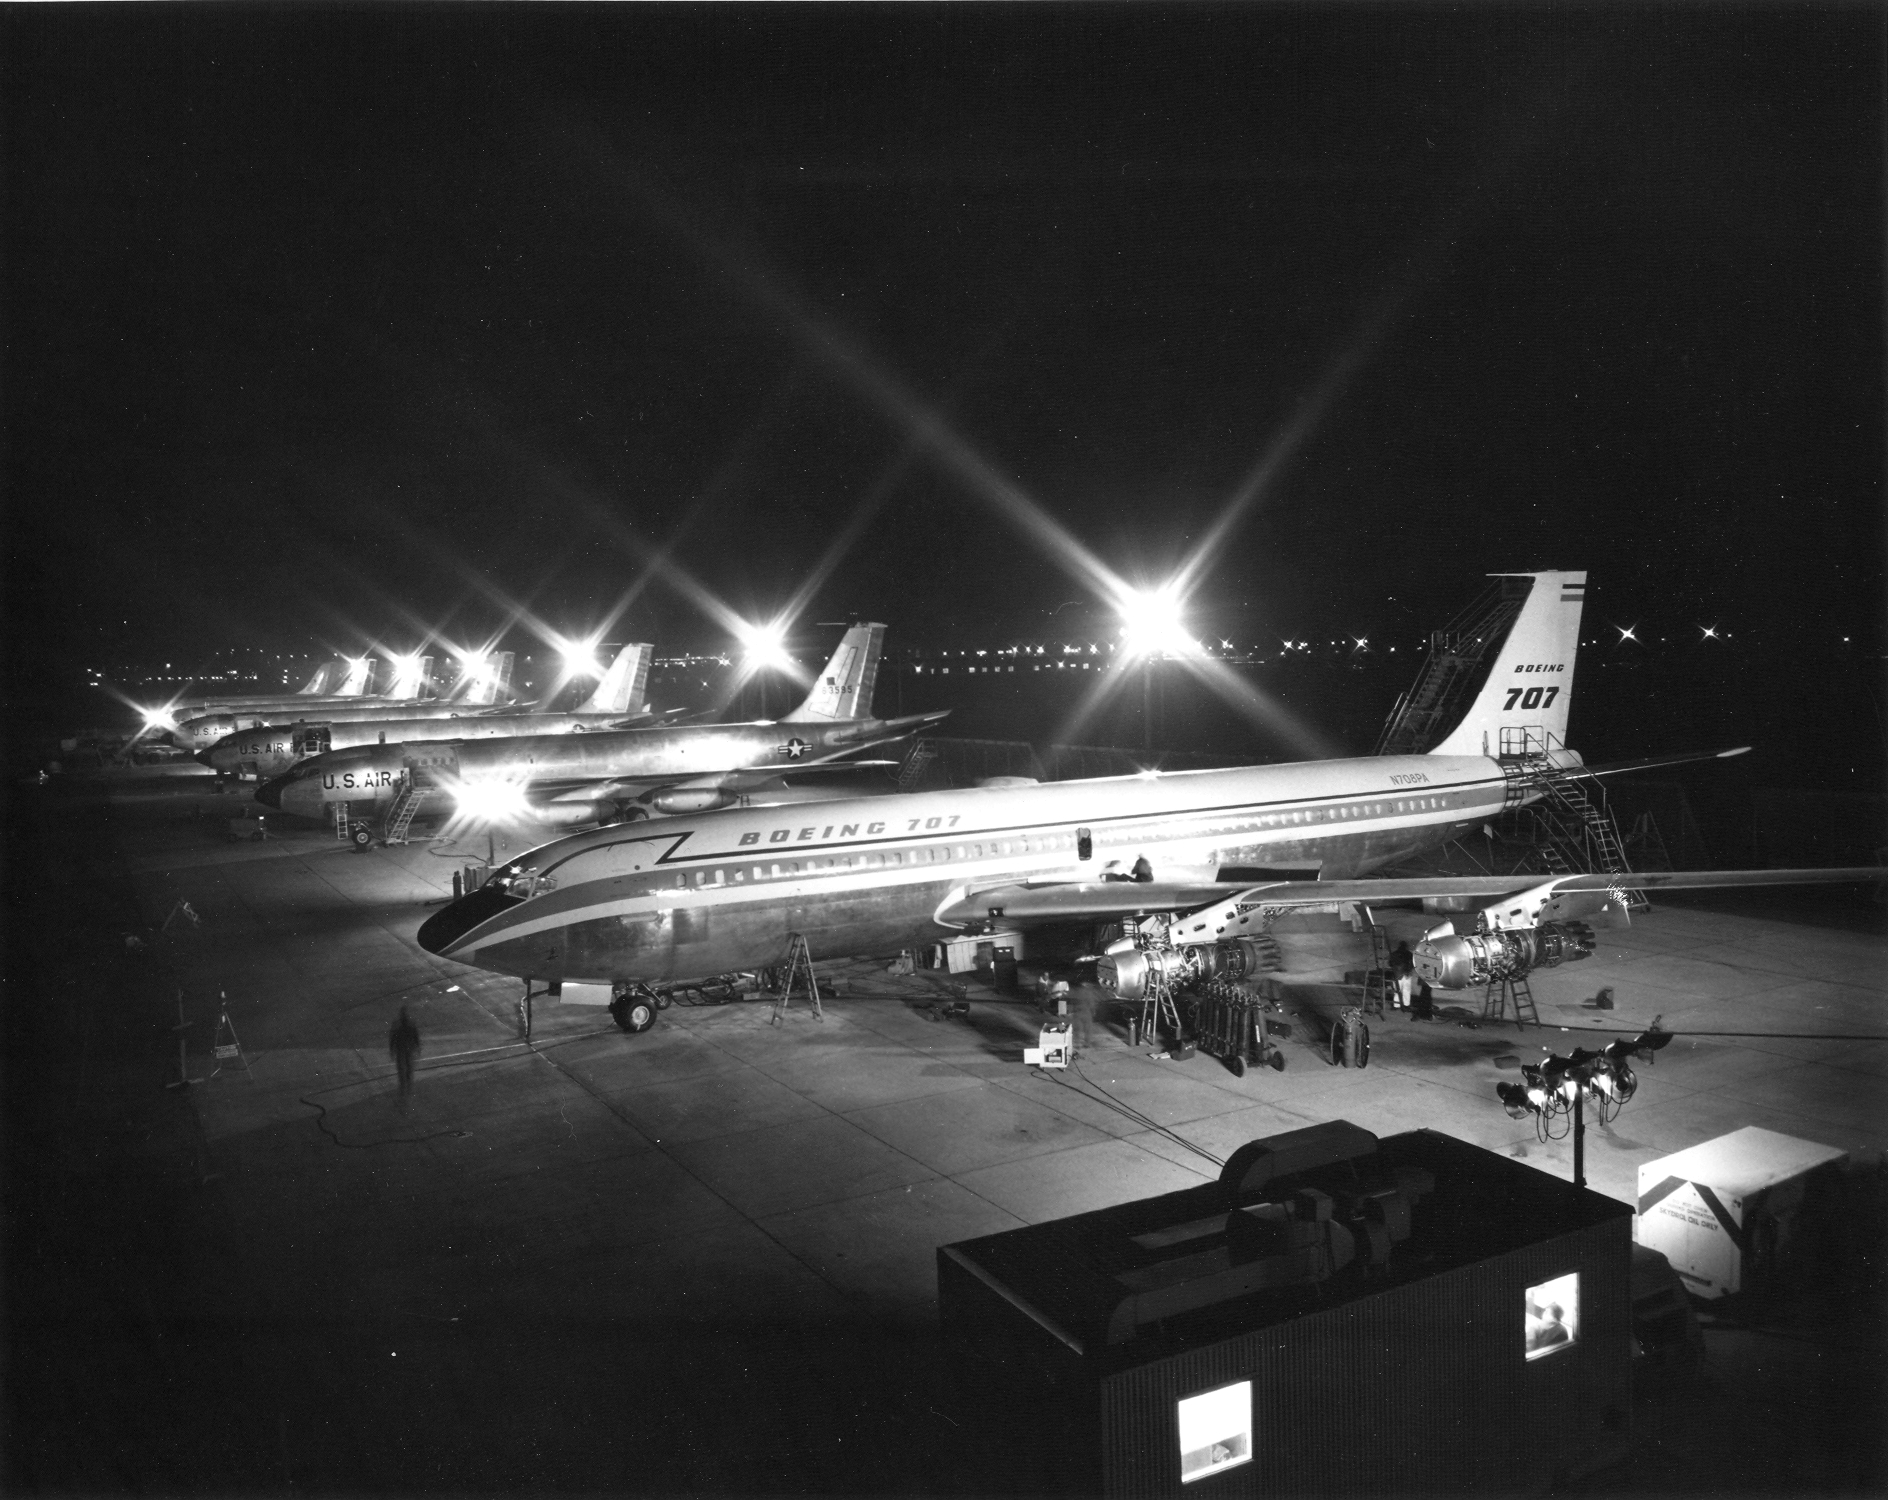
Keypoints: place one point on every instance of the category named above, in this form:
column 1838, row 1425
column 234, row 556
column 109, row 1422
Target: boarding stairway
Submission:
column 1456, row 652
column 920, row 755
column 409, row 800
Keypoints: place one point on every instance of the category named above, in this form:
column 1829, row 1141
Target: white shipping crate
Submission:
column 572, row 993
column 1724, row 1212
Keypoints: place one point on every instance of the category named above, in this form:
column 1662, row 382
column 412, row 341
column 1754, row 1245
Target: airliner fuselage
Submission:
column 686, row 898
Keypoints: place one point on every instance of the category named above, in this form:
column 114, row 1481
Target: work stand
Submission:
column 228, row 1047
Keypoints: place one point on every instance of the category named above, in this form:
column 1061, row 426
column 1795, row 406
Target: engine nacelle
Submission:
column 690, row 799
column 1127, row 970
column 1460, row 961
column 567, row 814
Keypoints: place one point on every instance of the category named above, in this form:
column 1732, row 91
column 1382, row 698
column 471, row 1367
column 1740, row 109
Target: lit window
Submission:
column 1215, row 1431
column 1551, row 1315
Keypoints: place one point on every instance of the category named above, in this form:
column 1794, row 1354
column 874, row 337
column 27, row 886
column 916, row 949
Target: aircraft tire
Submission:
column 1278, row 1061
column 1237, row 1064
column 634, row 1013
column 663, row 1002
column 361, row 836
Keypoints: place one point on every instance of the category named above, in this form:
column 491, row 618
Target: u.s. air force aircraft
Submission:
column 333, row 681
column 483, row 686
column 1185, row 857
column 568, row 779
column 270, row 750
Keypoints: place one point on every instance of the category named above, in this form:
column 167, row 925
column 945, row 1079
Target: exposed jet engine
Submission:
column 1459, row 962
column 1128, row 970
column 1534, row 929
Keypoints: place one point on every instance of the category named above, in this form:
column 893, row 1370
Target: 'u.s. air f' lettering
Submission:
column 348, row 781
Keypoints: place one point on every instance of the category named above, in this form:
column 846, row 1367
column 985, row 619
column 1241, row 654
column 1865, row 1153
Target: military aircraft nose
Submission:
column 441, row 932
column 206, row 757
column 269, row 794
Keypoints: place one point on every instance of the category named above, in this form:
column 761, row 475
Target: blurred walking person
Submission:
column 403, row 1042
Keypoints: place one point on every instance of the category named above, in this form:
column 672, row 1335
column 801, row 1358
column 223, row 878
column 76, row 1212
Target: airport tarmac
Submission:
column 703, row 1259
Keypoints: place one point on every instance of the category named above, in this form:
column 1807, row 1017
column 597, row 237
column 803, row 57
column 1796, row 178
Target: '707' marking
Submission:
column 1531, row 697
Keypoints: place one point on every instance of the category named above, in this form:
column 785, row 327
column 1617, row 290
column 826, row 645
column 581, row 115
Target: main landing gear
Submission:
column 634, row 1010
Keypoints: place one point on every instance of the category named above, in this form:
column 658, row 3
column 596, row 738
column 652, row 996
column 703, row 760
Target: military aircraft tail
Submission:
column 844, row 689
column 360, row 672
column 410, row 676
column 624, row 685
column 1522, row 708
column 324, row 678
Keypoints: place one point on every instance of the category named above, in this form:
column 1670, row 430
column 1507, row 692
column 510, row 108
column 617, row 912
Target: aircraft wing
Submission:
column 1099, row 900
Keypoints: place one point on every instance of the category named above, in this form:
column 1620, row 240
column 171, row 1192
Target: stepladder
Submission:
column 797, row 974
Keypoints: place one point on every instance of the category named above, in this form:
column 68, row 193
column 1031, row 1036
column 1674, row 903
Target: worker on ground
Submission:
column 403, row 1042
column 1402, row 967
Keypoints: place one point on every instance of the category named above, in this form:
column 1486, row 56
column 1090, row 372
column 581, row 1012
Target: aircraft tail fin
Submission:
column 324, row 678
column 485, row 680
column 622, row 687
column 1522, row 708
column 360, row 672
column 844, row 689
column 410, row 676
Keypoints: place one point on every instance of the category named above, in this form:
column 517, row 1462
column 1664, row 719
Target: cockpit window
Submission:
column 609, row 861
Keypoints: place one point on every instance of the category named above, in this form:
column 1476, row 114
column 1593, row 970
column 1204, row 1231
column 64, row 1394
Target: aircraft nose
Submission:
column 206, row 757
column 269, row 794
column 441, row 932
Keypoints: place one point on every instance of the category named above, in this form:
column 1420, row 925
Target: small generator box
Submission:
column 1728, row 1214
column 984, row 952
column 1055, row 1049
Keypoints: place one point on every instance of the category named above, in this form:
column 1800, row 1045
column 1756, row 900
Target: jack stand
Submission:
column 184, row 1080
column 799, row 971
column 229, row 1051
column 181, row 909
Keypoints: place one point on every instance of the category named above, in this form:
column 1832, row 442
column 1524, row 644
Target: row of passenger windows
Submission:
column 891, row 859
column 1017, row 844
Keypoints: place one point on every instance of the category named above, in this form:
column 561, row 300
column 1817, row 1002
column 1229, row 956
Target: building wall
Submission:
column 1424, row 1387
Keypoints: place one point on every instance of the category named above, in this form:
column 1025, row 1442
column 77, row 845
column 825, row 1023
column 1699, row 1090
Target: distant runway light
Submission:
column 1710, row 632
column 1627, row 632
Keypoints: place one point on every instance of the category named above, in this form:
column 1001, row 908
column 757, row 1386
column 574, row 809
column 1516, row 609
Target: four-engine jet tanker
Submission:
column 1196, row 865
column 571, row 779
column 271, row 750
column 333, row 681
column 198, row 731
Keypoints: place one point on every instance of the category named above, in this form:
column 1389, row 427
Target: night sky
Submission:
column 332, row 325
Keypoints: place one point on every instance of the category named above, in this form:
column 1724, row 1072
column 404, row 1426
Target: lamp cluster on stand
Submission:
column 1554, row 1091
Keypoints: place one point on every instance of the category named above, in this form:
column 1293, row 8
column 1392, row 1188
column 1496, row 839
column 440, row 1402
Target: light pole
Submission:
column 1556, row 1088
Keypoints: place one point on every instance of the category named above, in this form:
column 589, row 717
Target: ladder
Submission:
column 1499, row 992
column 340, row 821
column 798, row 974
column 406, row 803
column 1377, row 980
column 1158, row 1009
